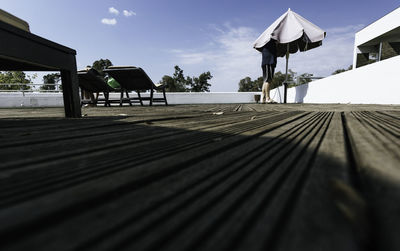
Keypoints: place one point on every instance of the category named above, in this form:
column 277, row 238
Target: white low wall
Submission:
column 377, row 83
column 29, row 99
column 211, row 97
column 19, row 99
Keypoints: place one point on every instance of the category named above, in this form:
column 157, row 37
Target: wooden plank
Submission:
column 377, row 161
column 142, row 171
column 322, row 210
column 185, row 178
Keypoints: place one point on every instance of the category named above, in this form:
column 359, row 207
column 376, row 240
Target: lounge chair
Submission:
column 135, row 79
column 91, row 81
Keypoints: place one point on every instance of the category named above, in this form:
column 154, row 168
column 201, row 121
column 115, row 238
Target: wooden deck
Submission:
column 201, row 177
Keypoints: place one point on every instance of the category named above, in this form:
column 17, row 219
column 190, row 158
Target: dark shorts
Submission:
column 268, row 72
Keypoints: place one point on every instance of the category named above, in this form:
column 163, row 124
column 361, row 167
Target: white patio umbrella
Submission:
column 293, row 33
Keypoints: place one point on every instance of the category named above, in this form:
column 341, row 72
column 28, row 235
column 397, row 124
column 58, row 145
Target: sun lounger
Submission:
column 135, row 79
column 91, row 81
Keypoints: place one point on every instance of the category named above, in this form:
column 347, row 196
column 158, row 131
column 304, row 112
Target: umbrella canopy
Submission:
column 293, row 33
column 293, row 30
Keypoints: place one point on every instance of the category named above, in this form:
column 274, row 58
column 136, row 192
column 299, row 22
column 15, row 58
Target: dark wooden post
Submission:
column 72, row 103
column 284, row 92
column 151, row 96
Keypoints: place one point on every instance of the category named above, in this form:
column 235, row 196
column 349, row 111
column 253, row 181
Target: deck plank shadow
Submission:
column 201, row 177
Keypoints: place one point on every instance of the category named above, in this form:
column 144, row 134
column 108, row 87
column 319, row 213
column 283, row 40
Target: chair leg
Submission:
column 151, row 97
column 106, row 98
column 82, row 97
column 95, row 99
column 140, row 97
column 71, row 98
column 165, row 97
column 129, row 99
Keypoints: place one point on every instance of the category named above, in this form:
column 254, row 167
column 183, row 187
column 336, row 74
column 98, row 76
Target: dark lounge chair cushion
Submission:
column 91, row 80
column 131, row 78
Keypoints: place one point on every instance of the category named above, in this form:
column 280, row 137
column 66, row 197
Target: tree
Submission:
column 50, row 81
column 279, row 78
column 200, row 84
column 14, row 77
column 179, row 79
column 338, row 71
column 343, row 70
column 178, row 82
column 168, row 81
column 101, row 64
column 247, row 85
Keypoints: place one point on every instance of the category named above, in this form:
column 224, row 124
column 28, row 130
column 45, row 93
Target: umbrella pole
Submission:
column 286, row 76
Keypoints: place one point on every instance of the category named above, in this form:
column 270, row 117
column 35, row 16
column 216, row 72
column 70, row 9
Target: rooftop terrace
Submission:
column 201, row 177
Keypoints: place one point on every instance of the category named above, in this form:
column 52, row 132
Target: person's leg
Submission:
column 268, row 82
column 271, row 71
column 264, row 87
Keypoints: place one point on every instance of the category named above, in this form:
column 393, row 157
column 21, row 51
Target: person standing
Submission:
column 268, row 65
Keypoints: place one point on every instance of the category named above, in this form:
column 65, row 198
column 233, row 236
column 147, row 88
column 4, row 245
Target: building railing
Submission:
column 29, row 87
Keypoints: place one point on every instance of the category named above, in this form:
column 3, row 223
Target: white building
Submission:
column 375, row 78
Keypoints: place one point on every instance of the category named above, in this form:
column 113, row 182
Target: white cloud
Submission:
column 109, row 21
column 231, row 57
column 113, row 10
column 129, row 13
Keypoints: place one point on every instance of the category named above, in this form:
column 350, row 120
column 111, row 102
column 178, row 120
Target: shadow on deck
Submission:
column 202, row 178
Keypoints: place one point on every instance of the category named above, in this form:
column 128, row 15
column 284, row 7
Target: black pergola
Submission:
column 21, row 50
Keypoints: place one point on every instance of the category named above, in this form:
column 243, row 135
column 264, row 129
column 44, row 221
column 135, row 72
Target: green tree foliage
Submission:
column 338, row 71
column 179, row 78
column 50, row 81
column 178, row 82
column 247, row 85
column 280, row 77
column 343, row 70
column 101, row 64
column 14, row 77
column 169, row 82
column 200, row 84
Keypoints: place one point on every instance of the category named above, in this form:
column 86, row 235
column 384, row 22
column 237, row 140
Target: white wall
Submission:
column 55, row 99
column 211, row 97
column 377, row 83
column 29, row 99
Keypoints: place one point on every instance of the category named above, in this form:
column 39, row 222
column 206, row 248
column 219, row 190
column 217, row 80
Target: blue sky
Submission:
column 199, row 36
